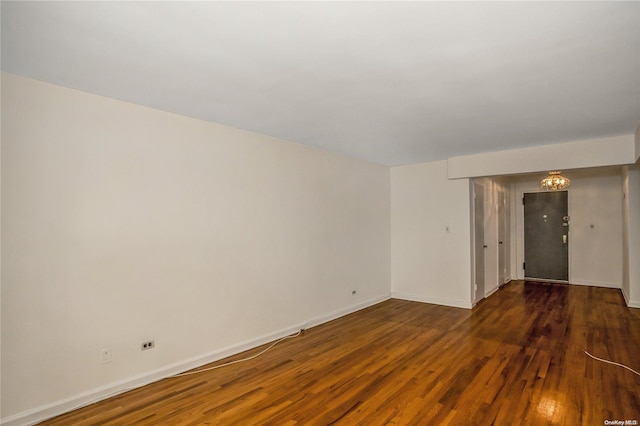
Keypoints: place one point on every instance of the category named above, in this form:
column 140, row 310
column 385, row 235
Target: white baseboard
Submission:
column 47, row 411
column 625, row 295
column 435, row 300
column 630, row 303
column 342, row 312
column 595, row 283
column 491, row 291
column 545, row 280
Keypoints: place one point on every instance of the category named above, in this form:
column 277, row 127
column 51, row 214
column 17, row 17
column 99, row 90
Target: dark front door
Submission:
column 546, row 235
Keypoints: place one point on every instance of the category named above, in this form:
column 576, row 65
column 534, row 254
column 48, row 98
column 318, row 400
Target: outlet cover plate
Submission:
column 106, row 355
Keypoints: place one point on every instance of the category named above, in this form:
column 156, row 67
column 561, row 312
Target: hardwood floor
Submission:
column 517, row 358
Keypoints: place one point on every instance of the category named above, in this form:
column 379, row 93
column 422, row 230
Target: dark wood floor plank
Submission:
column 517, row 358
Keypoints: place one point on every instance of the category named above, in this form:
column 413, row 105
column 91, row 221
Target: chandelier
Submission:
column 554, row 182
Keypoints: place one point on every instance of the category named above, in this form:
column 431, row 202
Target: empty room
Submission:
column 319, row 213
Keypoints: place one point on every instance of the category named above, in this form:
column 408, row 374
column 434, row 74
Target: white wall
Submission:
column 123, row 223
column 595, row 198
column 631, row 190
column 631, row 247
column 625, row 234
column 0, row 243
column 636, row 137
column 428, row 263
column 618, row 150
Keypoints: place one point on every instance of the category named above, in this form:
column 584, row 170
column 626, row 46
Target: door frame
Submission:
column 475, row 289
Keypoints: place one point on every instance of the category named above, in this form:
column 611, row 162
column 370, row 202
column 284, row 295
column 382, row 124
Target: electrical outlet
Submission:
column 149, row 344
column 105, row 355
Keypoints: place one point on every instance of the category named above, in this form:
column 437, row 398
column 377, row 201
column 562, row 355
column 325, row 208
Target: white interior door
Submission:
column 479, row 245
column 502, row 236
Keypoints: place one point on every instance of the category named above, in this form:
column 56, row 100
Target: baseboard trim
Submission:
column 545, row 280
column 491, row 291
column 434, row 300
column 342, row 312
column 596, row 284
column 47, row 411
column 630, row 303
column 625, row 296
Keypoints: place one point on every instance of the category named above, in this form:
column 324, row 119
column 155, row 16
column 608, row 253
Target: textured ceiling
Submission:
column 390, row 82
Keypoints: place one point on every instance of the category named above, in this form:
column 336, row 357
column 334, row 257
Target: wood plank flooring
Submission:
column 517, row 358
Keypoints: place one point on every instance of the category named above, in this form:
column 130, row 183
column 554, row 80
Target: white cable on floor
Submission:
column 291, row 336
column 611, row 362
column 127, row 389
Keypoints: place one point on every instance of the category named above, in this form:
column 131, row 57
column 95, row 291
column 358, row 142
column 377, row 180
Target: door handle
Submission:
column 564, row 239
column 500, row 242
column 485, row 246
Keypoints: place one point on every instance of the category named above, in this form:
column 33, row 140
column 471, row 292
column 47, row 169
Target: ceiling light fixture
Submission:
column 554, row 182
